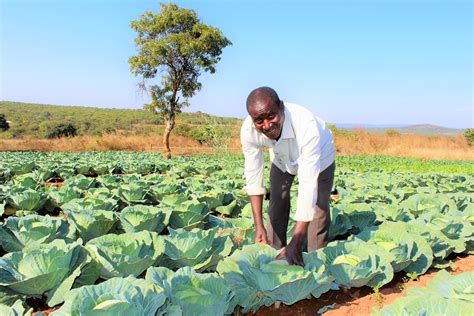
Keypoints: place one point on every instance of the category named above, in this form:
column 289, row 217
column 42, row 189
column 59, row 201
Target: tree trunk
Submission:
column 166, row 136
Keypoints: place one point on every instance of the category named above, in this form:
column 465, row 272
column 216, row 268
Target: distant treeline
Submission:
column 45, row 121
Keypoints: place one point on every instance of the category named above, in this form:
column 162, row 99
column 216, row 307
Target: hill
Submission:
column 419, row 129
column 38, row 120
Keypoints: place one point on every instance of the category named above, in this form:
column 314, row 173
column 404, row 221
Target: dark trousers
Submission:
column 279, row 209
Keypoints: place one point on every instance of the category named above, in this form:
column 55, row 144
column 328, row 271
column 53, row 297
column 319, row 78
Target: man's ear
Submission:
column 282, row 106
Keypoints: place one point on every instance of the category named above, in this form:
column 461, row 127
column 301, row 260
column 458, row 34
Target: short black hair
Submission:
column 262, row 93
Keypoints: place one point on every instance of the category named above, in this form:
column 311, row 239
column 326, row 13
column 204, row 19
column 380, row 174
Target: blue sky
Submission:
column 364, row 62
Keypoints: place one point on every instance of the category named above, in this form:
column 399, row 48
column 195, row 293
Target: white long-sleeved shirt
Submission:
column 305, row 148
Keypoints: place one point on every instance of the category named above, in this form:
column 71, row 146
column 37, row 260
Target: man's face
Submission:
column 268, row 118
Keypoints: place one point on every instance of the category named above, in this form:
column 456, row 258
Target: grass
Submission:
column 359, row 142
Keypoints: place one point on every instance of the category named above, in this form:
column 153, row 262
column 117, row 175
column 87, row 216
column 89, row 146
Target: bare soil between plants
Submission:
column 360, row 301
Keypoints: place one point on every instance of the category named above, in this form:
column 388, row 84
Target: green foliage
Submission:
column 38, row 120
column 340, row 131
column 175, row 44
column 215, row 134
column 193, row 293
column 3, row 123
column 469, row 135
column 258, row 279
column 117, row 296
column 392, row 132
column 63, row 130
column 125, row 254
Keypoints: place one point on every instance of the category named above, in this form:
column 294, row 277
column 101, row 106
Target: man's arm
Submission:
column 260, row 232
column 254, row 182
column 308, row 172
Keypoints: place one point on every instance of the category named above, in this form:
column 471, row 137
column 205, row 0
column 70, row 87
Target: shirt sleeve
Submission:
column 253, row 155
column 309, row 166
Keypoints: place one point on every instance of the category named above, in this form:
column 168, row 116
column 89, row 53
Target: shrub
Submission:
column 392, row 132
column 212, row 135
column 63, row 130
column 3, row 123
column 469, row 135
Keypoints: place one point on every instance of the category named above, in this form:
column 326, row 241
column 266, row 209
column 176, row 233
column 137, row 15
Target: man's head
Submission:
column 267, row 111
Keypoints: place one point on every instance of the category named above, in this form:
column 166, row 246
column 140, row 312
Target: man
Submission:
column 300, row 144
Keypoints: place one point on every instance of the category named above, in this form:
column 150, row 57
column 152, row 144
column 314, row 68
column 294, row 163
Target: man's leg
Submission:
column 318, row 229
column 279, row 209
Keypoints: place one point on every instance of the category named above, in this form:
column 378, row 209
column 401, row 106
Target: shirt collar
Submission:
column 287, row 130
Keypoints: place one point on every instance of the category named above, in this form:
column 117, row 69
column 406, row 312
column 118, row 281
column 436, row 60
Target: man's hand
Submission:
column 292, row 253
column 261, row 235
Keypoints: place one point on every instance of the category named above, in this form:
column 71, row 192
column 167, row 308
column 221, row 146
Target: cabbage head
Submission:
column 194, row 293
column 117, row 296
column 58, row 197
column 26, row 200
column 410, row 252
column 51, row 268
column 90, row 224
column 144, row 217
column 17, row 233
column 125, row 254
column 241, row 229
column 357, row 263
column 259, row 280
column 426, row 203
column 188, row 215
column 132, row 193
column 455, row 228
column 199, row 249
column 91, row 203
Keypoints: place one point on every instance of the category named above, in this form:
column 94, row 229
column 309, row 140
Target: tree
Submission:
column 63, row 130
column 4, row 125
column 469, row 135
column 176, row 45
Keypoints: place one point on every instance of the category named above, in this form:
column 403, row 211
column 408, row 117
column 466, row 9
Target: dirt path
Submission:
column 360, row 301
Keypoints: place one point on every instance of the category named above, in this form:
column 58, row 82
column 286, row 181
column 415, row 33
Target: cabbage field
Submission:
column 118, row 233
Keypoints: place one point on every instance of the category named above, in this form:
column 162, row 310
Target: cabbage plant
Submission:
column 241, row 230
column 80, row 182
column 194, row 293
column 144, row 217
column 439, row 243
column 259, row 280
column 125, row 254
column 132, row 193
column 410, row 252
column 357, row 263
column 455, row 228
column 51, row 268
column 90, row 224
column 58, row 197
column 445, row 294
column 117, row 296
column 197, row 248
column 91, row 203
column 17, row 233
column 164, row 188
column 426, row 203
column 188, row 215
column 26, row 200
column 215, row 198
